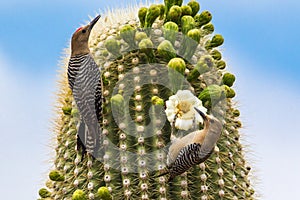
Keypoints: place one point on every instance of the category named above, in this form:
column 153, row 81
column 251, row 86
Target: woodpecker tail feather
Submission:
column 81, row 139
column 88, row 139
column 92, row 140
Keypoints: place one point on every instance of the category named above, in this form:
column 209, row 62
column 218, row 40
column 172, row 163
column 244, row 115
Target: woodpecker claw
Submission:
column 201, row 113
column 94, row 21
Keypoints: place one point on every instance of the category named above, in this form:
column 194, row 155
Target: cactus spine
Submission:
column 145, row 58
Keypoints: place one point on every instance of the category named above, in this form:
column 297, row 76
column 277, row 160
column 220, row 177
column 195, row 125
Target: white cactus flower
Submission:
column 180, row 107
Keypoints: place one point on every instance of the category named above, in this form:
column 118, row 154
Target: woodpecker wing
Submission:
column 87, row 94
column 177, row 145
column 187, row 157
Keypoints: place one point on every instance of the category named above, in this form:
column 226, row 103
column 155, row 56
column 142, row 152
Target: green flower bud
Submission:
column 157, row 101
column 216, row 41
column 140, row 35
column 75, row 112
column 175, row 13
column 238, row 124
column 67, row 110
column 142, row 16
column 170, row 31
column 177, row 64
column 187, row 23
column 212, row 94
column 56, row 176
column 166, row 50
column 230, row 93
column 145, row 44
column 49, row 184
column 186, row 10
column 173, row 2
column 104, row 52
column 113, row 46
column 117, row 101
column 203, row 18
column 103, row 193
column 236, row 113
column 44, row 193
column 208, row 29
column 162, row 11
column 204, row 65
column 178, row 2
column 79, row 195
column 195, row 7
column 190, row 43
column 216, row 54
column 176, row 69
column 228, row 79
column 221, row 64
column 152, row 14
column 195, row 34
column 168, row 5
column 127, row 33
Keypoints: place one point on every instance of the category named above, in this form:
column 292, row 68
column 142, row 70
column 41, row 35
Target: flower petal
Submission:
column 183, row 124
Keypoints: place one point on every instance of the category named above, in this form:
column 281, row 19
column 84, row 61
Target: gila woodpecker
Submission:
column 193, row 148
column 85, row 82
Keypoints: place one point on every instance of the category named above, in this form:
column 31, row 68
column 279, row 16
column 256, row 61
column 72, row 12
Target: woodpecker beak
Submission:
column 201, row 114
column 94, row 21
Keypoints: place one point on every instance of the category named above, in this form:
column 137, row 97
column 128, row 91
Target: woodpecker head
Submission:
column 209, row 120
column 79, row 42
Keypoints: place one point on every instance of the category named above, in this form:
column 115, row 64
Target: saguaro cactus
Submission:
column 147, row 55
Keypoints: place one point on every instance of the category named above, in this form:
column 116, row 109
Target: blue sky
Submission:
column 261, row 47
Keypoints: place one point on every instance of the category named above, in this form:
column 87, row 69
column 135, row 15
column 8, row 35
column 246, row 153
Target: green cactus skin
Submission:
column 134, row 122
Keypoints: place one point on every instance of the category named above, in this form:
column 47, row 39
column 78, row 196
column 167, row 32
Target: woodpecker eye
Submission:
column 83, row 31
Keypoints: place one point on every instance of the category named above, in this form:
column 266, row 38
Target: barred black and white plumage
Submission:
column 84, row 79
column 194, row 148
column 85, row 83
column 187, row 157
